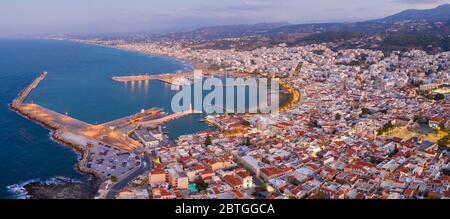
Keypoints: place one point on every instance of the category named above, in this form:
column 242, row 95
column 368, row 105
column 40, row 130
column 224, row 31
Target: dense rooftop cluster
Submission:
column 369, row 125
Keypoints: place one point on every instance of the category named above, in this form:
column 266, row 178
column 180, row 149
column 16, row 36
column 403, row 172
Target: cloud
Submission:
column 97, row 16
column 420, row 1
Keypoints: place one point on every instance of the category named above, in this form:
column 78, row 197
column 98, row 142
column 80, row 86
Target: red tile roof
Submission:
column 232, row 180
column 242, row 174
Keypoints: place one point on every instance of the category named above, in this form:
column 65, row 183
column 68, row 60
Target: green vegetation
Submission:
column 431, row 96
column 332, row 36
column 365, row 111
column 314, row 124
column 247, row 141
column 200, row 184
column 417, row 83
column 325, row 144
column 445, row 45
column 114, row 178
column 319, row 52
column 246, row 123
column 384, row 111
column 439, row 97
column 294, row 181
column 320, row 195
column 444, row 142
column 421, row 119
column 405, row 42
column 386, row 128
column 208, row 141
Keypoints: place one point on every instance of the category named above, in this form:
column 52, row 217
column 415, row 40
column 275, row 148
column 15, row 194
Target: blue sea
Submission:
column 79, row 83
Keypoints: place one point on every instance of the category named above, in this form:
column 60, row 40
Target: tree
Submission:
column 439, row 97
column 293, row 181
column 394, row 152
column 208, row 141
column 384, row 111
column 114, row 178
column 444, row 142
column 338, row 116
column 200, row 184
column 365, row 111
column 247, row 141
column 320, row 195
column 446, row 172
column 246, row 123
column 386, row 127
column 421, row 119
column 314, row 124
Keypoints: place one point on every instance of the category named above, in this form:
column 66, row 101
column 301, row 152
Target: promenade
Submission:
column 166, row 78
column 175, row 78
column 109, row 133
column 168, row 118
column 25, row 92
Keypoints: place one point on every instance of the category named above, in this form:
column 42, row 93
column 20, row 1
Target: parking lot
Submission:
column 109, row 161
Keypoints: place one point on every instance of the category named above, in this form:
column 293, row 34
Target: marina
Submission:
column 94, row 141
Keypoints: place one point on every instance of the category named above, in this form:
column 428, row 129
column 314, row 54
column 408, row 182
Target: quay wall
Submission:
column 56, row 129
column 27, row 90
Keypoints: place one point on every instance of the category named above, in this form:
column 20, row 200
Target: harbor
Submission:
column 104, row 146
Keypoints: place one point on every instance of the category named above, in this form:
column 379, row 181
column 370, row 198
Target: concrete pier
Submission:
column 166, row 78
column 70, row 130
column 61, row 123
column 171, row 78
column 84, row 137
column 27, row 90
column 168, row 118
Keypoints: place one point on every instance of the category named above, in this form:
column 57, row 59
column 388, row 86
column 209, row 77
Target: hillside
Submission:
column 440, row 13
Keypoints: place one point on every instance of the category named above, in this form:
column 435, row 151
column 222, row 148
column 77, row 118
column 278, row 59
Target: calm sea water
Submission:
column 79, row 83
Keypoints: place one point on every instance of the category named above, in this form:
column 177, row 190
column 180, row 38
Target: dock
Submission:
column 173, row 78
column 75, row 132
column 168, row 118
column 27, row 90
column 169, row 78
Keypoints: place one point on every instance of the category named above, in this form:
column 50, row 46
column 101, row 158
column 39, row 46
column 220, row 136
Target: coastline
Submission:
column 39, row 188
column 62, row 188
column 44, row 190
column 35, row 189
column 295, row 96
column 182, row 60
column 294, row 93
column 17, row 105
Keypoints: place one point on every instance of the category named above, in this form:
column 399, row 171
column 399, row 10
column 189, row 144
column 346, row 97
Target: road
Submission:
column 145, row 165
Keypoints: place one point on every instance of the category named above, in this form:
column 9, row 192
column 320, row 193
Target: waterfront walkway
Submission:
column 169, row 78
column 25, row 92
column 174, row 78
column 168, row 118
column 108, row 133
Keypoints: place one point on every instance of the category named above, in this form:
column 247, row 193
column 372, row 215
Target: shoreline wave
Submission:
column 19, row 191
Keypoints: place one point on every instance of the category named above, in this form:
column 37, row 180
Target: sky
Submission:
column 37, row 17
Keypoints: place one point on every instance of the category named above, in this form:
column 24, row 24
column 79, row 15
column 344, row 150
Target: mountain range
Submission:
column 440, row 13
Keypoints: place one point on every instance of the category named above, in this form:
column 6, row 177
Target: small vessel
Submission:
column 201, row 120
